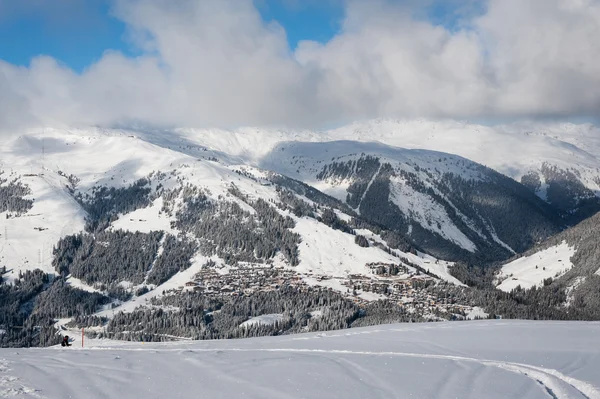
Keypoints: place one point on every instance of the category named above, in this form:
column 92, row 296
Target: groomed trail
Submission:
column 477, row 359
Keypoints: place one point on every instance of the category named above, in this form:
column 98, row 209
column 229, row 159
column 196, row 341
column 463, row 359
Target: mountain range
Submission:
column 208, row 229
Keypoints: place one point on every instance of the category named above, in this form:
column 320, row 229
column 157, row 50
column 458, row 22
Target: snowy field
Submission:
column 478, row 359
column 530, row 271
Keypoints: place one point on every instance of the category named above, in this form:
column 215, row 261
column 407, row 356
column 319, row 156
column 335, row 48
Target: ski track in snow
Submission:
column 443, row 360
column 552, row 381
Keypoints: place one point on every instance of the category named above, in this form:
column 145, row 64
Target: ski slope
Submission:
column 477, row 359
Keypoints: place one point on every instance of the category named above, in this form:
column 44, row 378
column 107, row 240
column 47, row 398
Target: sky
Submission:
column 295, row 63
column 78, row 32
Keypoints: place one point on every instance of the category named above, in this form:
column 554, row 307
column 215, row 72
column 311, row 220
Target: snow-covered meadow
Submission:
column 476, row 359
column 530, row 271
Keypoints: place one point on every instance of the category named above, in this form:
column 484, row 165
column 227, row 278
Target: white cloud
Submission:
column 14, row 110
column 217, row 63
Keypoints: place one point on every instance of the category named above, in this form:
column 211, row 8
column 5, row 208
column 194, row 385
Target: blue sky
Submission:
column 75, row 33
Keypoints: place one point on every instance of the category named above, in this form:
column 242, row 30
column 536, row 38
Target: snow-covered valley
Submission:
column 485, row 359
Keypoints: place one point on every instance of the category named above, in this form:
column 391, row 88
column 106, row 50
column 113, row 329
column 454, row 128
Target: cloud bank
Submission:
column 217, row 63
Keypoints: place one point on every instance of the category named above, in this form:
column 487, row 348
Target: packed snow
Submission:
column 475, row 359
column 532, row 270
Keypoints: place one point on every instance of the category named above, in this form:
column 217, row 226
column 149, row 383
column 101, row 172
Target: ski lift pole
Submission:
column 82, row 337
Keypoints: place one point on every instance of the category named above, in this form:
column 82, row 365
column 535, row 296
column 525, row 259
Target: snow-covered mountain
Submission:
column 57, row 168
column 125, row 222
column 560, row 162
column 567, row 262
column 145, row 220
column 451, row 207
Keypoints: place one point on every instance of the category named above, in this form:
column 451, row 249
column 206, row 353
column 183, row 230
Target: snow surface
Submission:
column 145, row 220
column 325, row 251
column 26, row 242
column 475, row 359
column 571, row 288
column 532, row 270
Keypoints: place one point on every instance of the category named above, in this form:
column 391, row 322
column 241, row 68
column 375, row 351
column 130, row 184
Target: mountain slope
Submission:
column 159, row 235
column 75, row 165
column 569, row 261
column 449, row 206
column 558, row 162
column 121, row 223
